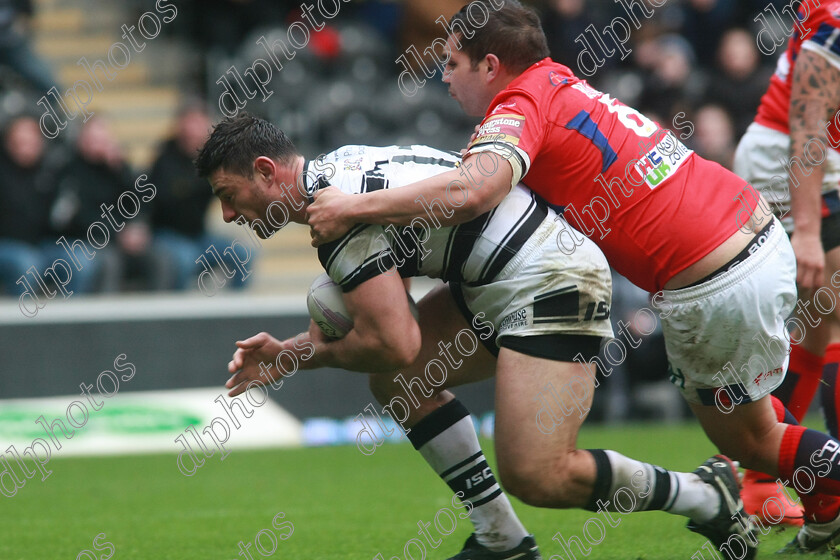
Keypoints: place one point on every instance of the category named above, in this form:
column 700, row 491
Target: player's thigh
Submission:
column 451, row 353
column 540, row 406
column 757, row 161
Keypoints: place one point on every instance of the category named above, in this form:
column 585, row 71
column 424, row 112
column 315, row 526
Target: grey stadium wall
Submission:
column 175, row 342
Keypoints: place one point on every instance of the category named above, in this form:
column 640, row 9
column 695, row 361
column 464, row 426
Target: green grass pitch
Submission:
column 342, row 504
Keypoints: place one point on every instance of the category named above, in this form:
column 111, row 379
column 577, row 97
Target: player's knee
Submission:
column 538, row 487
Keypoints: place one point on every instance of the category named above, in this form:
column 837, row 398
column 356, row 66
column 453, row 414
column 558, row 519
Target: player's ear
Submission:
column 494, row 67
column 265, row 168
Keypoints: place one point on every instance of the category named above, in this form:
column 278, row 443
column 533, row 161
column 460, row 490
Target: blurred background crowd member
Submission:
column 97, row 174
column 179, row 208
column 740, row 80
column 713, row 137
column 26, row 190
column 671, row 80
column 15, row 50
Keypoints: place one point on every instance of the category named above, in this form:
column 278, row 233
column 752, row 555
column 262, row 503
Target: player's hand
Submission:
column 327, row 215
column 245, row 365
column 810, row 260
column 472, row 139
column 316, row 335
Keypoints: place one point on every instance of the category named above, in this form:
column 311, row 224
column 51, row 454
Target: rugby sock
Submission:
column 626, row 485
column 783, row 414
column 808, row 464
column 830, row 393
column 801, row 381
column 447, row 440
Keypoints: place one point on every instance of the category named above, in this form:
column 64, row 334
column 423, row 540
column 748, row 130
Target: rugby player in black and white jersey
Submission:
column 505, row 264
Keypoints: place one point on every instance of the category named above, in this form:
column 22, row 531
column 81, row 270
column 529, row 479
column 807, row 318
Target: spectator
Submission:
column 15, row 51
column 564, row 21
column 741, row 81
column 97, row 175
column 182, row 198
column 25, row 191
column 704, row 22
column 223, row 24
column 671, row 85
column 714, row 138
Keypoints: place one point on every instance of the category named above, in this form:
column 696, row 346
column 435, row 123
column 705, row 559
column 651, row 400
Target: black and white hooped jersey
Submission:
column 473, row 252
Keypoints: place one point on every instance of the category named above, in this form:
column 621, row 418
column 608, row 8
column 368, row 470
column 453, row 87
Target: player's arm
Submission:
column 385, row 337
column 452, row 197
column 815, row 95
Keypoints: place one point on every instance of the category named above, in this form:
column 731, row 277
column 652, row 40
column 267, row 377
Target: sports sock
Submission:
column 447, row 440
column 830, row 394
column 808, row 464
column 801, row 381
column 624, row 485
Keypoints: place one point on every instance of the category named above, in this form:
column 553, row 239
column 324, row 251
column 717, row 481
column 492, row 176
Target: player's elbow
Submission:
column 404, row 346
column 392, row 349
column 483, row 199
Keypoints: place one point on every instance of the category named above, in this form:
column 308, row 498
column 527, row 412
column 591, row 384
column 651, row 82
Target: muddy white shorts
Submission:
column 728, row 333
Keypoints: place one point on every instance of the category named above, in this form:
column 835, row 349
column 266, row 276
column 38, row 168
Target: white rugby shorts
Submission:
column 544, row 290
column 763, row 154
column 729, row 332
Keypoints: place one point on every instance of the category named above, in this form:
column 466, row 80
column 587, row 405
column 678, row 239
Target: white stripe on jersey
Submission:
column 467, row 252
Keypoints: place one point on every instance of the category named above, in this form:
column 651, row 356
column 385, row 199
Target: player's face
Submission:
column 240, row 197
column 467, row 85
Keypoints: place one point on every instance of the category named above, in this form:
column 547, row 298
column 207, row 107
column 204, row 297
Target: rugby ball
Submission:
column 326, row 306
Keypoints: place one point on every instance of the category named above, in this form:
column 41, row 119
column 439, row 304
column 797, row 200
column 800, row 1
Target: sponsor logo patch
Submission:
column 662, row 161
column 500, row 128
column 353, row 165
column 515, row 320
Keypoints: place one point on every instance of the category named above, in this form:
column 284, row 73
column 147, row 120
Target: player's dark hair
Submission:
column 512, row 32
column 236, row 142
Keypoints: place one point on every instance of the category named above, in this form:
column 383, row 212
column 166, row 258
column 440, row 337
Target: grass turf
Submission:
column 342, row 505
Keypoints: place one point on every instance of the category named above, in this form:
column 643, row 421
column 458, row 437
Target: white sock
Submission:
column 447, row 441
column 626, row 485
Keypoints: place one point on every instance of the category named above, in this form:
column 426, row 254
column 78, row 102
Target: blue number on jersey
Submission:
column 584, row 124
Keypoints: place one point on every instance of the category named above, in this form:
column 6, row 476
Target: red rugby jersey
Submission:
column 823, row 36
column 650, row 203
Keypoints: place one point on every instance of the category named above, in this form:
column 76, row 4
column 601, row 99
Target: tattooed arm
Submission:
column 815, row 96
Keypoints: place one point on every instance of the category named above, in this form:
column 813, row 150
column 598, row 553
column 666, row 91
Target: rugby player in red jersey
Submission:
column 795, row 133
column 671, row 222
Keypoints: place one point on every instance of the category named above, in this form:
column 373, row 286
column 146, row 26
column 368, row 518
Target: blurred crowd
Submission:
column 58, row 202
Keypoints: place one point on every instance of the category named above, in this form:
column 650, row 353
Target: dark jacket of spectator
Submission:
column 25, row 196
column 182, row 197
column 83, row 187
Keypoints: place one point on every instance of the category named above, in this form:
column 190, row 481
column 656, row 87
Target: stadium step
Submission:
column 140, row 102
